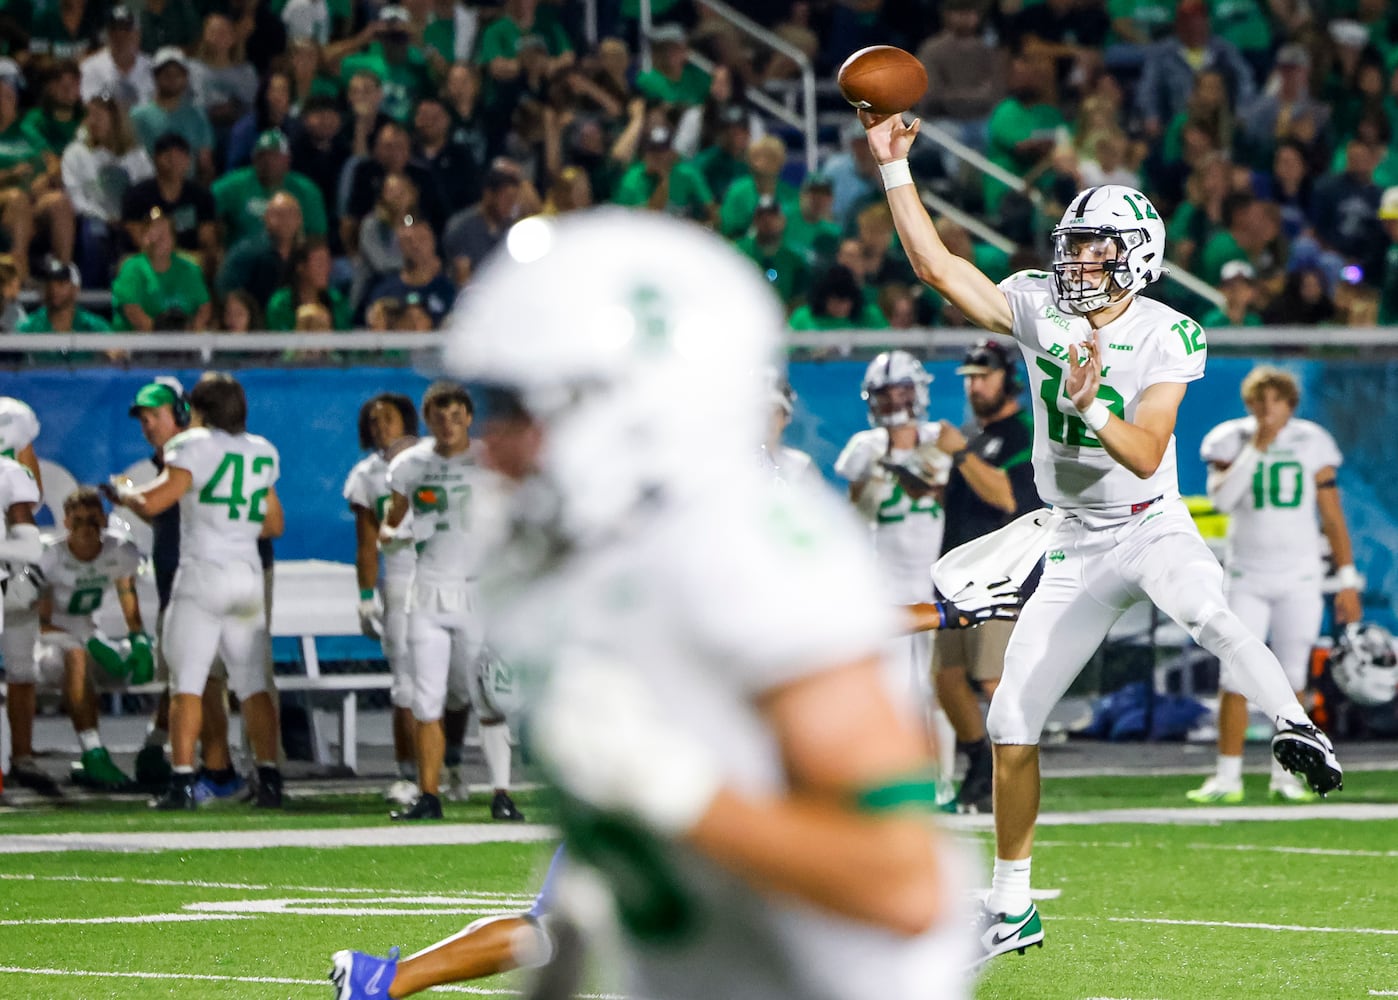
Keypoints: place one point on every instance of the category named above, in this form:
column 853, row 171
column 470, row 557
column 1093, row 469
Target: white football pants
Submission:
column 216, row 610
column 1283, row 611
column 397, row 592
column 446, row 637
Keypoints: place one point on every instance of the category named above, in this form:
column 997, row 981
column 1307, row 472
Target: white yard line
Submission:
column 1194, row 815
column 1333, row 852
column 148, row 918
column 493, row 897
column 439, row 834
column 1302, row 928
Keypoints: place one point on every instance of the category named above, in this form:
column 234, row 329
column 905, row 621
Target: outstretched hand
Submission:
column 1085, row 372
column 889, row 138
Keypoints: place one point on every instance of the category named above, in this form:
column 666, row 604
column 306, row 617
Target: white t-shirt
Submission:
column 18, row 426
column 1274, row 530
column 222, row 511
column 907, row 532
column 717, row 602
column 78, row 587
column 367, row 487
column 454, row 502
column 1148, row 344
column 100, row 75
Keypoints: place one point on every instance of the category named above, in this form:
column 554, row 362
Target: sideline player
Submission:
column 224, row 480
column 20, row 546
column 19, row 428
column 713, row 707
column 1109, row 370
column 991, row 483
column 787, row 464
column 77, row 569
column 450, row 496
column 387, row 425
column 1272, row 473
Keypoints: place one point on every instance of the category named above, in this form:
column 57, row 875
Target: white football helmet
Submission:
column 638, row 341
column 1114, row 226
column 889, row 370
column 1364, row 664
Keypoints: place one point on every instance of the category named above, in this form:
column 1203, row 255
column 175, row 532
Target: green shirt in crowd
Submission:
column 49, row 133
column 1155, row 17
column 281, row 313
column 1215, row 318
column 818, row 241
column 181, row 287
column 1010, row 124
column 1241, row 22
column 785, row 267
column 689, row 192
column 719, row 168
column 241, row 202
column 868, row 318
column 690, row 90
column 403, row 83
column 740, row 204
column 83, row 322
column 151, row 121
column 1220, row 249
column 1388, row 298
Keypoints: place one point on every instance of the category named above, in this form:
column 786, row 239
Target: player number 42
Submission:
column 230, row 493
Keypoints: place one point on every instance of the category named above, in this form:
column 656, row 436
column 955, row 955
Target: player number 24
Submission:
column 1069, row 429
column 230, row 493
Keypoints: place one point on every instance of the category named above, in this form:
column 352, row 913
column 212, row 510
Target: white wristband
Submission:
column 1096, row 415
column 895, row 174
column 1347, row 578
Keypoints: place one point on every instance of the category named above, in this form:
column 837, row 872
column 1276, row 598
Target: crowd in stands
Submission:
column 330, row 165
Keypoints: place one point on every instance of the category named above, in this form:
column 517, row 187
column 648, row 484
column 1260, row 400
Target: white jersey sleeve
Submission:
column 1223, row 444
column 1324, row 452
column 16, row 485
column 356, row 489
column 860, row 454
column 18, row 426
column 221, row 513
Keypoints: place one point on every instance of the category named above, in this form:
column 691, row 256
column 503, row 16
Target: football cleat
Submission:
column 152, row 769
column 402, row 792
column 358, row 976
column 998, row 933
column 502, row 807
column 97, row 771
column 1215, row 790
column 178, row 797
column 1290, row 790
column 458, row 787
column 27, row 774
column 269, row 789
column 207, row 787
column 428, row 806
column 1304, row 750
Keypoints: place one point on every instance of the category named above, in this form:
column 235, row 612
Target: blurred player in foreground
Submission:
column 20, row 546
column 1272, row 473
column 1109, row 370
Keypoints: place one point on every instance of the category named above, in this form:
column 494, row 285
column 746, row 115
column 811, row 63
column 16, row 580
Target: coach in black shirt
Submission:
column 991, row 483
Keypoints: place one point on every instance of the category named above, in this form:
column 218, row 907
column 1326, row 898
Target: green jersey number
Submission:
column 1139, row 202
column 230, row 494
column 1192, row 334
column 891, row 510
column 1069, row 429
column 1281, row 484
column 85, row 600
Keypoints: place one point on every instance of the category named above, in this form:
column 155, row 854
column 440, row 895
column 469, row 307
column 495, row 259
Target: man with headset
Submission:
column 163, row 411
column 991, row 483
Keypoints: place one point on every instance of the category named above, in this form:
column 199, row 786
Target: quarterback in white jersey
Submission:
column 58, row 631
column 707, row 641
column 387, row 425
column 1109, row 370
column 1274, row 475
column 224, row 480
column 453, row 502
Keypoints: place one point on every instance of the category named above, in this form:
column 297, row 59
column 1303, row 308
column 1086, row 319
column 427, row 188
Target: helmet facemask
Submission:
column 896, row 404
column 1091, row 267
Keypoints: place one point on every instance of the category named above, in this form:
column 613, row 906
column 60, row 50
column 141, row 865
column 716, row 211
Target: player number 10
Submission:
column 1277, row 485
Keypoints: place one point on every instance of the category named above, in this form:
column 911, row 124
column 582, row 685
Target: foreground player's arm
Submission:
column 1138, row 444
column 157, row 496
column 956, row 279
column 26, row 457
column 1348, row 607
column 273, row 517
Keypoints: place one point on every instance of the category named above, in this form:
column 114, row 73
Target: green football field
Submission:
column 1180, row 903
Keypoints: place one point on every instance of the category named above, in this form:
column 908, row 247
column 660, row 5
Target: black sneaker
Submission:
column 152, row 770
column 427, row 806
column 27, row 774
column 178, row 797
column 269, row 789
column 1303, row 749
column 502, row 807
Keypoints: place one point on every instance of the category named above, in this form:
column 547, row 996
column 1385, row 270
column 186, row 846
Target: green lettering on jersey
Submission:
column 1055, row 317
column 1069, row 429
column 1192, row 334
column 85, row 600
column 230, row 494
column 1056, row 556
column 1058, row 351
column 1280, row 484
column 890, row 514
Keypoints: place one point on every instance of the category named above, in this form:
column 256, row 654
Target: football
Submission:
column 883, row 79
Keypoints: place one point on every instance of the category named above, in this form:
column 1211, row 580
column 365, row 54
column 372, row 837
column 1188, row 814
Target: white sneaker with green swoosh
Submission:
column 998, row 933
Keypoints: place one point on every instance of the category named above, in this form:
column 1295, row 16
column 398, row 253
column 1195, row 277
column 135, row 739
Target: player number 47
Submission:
column 230, row 494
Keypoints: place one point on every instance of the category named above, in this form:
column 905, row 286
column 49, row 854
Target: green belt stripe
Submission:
column 920, row 792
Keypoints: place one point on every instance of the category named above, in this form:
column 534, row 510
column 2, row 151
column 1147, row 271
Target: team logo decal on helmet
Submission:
column 895, row 389
column 1364, row 665
column 1109, row 243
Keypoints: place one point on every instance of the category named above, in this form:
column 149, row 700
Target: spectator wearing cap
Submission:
column 853, row 174
column 1388, row 286
column 965, row 75
column 1249, row 225
column 99, row 167
column 454, row 168
column 241, row 198
column 271, row 109
column 837, row 302
column 392, row 154
column 160, row 288
column 726, row 160
column 421, row 282
column 1170, row 67
column 260, row 262
column 673, row 78
column 169, row 23
column 184, row 201
column 400, row 65
column 53, row 122
column 662, row 182
column 812, row 230
column 66, row 29
column 1239, row 296
column 308, row 283
column 119, row 68
column 782, row 265
column 172, row 109
column 30, row 199
column 473, row 232
column 224, row 82
column 1024, row 128
column 766, row 158
column 1286, row 112
column 60, row 312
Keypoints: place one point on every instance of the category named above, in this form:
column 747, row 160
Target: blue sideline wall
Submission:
column 310, row 414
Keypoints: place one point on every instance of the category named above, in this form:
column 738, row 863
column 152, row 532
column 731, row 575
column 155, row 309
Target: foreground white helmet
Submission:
column 638, row 341
column 889, row 370
column 1364, row 665
column 1116, row 227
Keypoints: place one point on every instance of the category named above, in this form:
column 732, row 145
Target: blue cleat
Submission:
column 358, row 976
column 206, row 788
